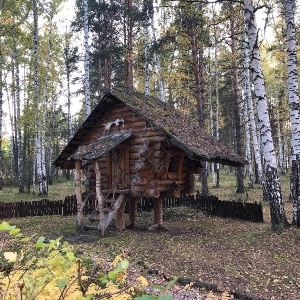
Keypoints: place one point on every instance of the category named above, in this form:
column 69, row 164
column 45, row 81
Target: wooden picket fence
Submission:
column 211, row 204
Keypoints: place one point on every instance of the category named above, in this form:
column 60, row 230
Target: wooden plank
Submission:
column 100, row 199
column 77, row 176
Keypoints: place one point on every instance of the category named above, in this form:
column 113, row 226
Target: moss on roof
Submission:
column 183, row 130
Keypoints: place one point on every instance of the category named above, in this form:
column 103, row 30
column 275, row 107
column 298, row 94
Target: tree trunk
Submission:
column 129, row 48
column 198, row 68
column 38, row 150
column 45, row 102
column 248, row 148
column 157, row 60
column 280, row 146
column 146, row 67
column 273, row 186
column 216, row 165
column 1, row 118
column 237, row 112
column 249, row 103
column 293, row 95
column 86, row 60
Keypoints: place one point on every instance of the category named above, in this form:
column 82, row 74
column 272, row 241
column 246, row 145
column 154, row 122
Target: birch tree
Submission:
column 86, row 60
column 146, row 47
column 45, row 97
column 237, row 110
column 36, row 87
column 157, row 63
column 1, row 115
column 17, row 113
column 294, row 107
column 273, row 186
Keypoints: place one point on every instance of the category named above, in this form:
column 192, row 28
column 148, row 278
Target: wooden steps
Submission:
column 112, row 208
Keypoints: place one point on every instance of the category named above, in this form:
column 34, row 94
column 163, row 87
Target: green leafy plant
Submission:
column 51, row 270
column 161, row 288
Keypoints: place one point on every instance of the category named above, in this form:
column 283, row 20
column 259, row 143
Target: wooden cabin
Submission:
column 132, row 146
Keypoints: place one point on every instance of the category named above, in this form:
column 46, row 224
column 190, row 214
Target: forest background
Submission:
column 195, row 55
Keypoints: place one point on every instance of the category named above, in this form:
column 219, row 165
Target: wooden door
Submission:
column 119, row 162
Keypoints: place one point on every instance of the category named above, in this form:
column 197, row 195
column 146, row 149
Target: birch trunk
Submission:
column 211, row 123
column 248, row 143
column 45, row 102
column 146, row 53
column 1, row 118
column 280, row 146
column 237, row 111
column 86, row 60
column 38, row 151
column 18, row 136
column 216, row 165
column 293, row 95
column 273, row 186
column 249, row 103
column 129, row 48
column 157, row 60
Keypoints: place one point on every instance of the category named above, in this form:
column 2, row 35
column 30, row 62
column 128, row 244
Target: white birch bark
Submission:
column 280, row 146
column 248, row 96
column 293, row 104
column 216, row 165
column 38, row 152
column 248, row 143
column 157, row 60
column 273, row 186
column 250, row 112
column 86, row 60
column 17, row 124
column 45, row 102
column 211, row 120
column 1, row 118
column 146, row 67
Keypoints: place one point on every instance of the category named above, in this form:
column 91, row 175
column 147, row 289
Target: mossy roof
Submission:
column 182, row 130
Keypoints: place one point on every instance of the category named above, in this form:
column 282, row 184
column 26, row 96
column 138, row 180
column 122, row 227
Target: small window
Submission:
column 175, row 165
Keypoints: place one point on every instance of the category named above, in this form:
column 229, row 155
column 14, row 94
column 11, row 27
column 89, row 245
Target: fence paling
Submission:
column 209, row 204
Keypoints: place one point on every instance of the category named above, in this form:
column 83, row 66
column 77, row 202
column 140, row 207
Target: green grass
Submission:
column 236, row 255
column 57, row 191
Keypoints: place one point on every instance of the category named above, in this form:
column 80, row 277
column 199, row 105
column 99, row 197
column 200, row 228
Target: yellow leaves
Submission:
column 143, row 281
column 11, row 256
column 224, row 296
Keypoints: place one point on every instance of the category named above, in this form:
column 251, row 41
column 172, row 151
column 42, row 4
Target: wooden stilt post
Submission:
column 132, row 211
column 120, row 217
column 158, row 211
column 100, row 199
column 79, row 222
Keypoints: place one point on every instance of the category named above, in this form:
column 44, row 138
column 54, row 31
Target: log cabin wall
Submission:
column 149, row 165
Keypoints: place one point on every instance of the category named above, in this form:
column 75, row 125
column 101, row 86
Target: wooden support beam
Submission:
column 158, row 211
column 118, row 203
column 78, row 192
column 132, row 211
column 120, row 217
column 100, row 199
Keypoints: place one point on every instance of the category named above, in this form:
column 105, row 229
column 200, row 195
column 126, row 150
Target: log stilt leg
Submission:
column 132, row 211
column 120, row 217
column 100, row 200
column 79, row 221
column 158, row 212
column 158, row 215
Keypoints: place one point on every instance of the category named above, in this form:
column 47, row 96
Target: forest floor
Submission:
column 234, row 255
